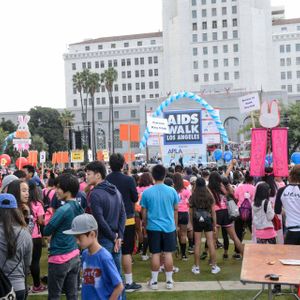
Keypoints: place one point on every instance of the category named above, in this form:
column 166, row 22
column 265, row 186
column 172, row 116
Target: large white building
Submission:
column 221, row 49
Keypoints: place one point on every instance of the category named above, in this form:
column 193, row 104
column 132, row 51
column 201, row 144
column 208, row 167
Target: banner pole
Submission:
column 160, row 147
column 252, row 119
column 129, row 149
column 20, row 159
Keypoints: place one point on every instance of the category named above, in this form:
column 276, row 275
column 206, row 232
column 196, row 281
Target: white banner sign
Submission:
column 157, row 125
column 249, row 103
column 42, row 157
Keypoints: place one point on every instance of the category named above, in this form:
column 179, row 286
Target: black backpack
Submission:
column 46, row 199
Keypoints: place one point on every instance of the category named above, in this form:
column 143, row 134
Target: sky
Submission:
column 36, row 33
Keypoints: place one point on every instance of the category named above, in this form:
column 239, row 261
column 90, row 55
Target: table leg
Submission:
column 270, row 295
column 259, row 293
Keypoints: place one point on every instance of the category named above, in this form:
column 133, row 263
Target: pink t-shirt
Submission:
column 82, row 186
column 243, row 189
column 266, row 233
column 63, row 258
column 222, row 204
column 37, row 211
column 51, row 193
column 184, row 196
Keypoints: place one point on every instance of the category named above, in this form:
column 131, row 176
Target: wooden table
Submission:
column 257, row 261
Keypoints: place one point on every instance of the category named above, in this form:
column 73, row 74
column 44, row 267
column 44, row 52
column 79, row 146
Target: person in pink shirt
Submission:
column 183, row 212
column 82, row 180
column 37, row 211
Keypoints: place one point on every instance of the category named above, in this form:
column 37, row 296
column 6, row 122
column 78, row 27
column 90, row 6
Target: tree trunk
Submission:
column 109, row 124
column 82, row 117
column 111, row 100
column 93, row 128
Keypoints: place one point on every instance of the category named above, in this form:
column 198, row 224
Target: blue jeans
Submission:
column 109, row 246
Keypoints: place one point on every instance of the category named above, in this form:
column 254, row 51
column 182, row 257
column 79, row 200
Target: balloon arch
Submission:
column 10, row 137
column 213, row 114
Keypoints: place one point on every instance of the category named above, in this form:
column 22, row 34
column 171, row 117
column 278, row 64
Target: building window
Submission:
column 151, row 85
column 205, row 64
column 116, row 100
column 298, row 88
column 237, row 75
column 206, row 77
column 194, row 26
column 123, row 74
column 123, row 62
column 195, row 51
column 115, row 63
column 129, row 87
column 137, row 98
column 124, row 87
column 194, row 2
column 150, row 60
column 87, row 48
column 113, row 46
column 213, row 1
column 142, row 60
column 195, row 38
column 132, row 114
column 142, row 73
column 74, row 102
column 90, row 101
column 298, row 74
column 289, row 75
column 283, row 87
column 214, row 24
column 288, row 61
column 204, row 37
column 102, row 64
column 205, row 50
column 226, row 75
column 83, row 65
column 203, row 2
column 155, row 72
column 129, row 99
column 297, row 60
column 236, row 61
column 224, row 23
column 126, row 45
column 140, row 43
column 137, row 73
column 214, row 12
column 110, row 63
column 235, row 34
column 288, row 48
column 235, row 48
column 281, row 48
column 128, row 74
column 102, row 88
column 73, row 66
column 137, row 86
column 128, row 62
column 283, row 28
column 74, row 90
column 224, row 11
column 234, row 22
column 216, row 63
column 297, row 47
column 194, row 14
column 195, row 65
column 124, row 99
column 116, row 136
column 99, row 115
column 143, row 86
column 100, row 47
column 234, row 9
column 89, row 65
column 225, row 48
column 215, row 36
column 282, row 62
column 98, row 101
column 226, row 62
column 215, row 49
column 155, row 59
column 97, row 64
column 150, row 72
column 225, row 35
column 156, row 84
column 290, row 88
column 136, row 61
column 216, row 76
column 103, row 100
column 282, row 75
column 203, row 13
column 204, row 25
column 153, row 42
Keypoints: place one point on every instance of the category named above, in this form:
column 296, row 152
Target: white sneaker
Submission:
column 145, row 257
column 161, row 269
column 152, row 285
column 175, row 269
column 196, row 270
column 169, row 285
column 215, row 269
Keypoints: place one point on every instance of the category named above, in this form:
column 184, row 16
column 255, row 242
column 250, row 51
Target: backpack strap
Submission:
column 266, row 205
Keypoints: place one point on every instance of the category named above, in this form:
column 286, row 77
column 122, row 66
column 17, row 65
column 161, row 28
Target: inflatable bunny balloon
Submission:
column 269, row 114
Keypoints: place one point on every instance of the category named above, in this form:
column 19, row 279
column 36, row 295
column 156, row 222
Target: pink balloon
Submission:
column 21, row 162
column 5, row 160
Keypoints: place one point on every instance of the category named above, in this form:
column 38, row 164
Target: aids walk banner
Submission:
column 184, row 127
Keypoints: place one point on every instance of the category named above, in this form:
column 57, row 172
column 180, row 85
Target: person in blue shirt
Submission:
column 159, row 209
column 100, row 277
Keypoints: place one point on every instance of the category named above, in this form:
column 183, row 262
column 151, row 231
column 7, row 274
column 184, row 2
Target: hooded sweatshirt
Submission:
column 263, row 220
column 21, row 261
column 108, row 209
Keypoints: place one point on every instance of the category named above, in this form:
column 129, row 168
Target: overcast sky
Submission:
column 35, row 34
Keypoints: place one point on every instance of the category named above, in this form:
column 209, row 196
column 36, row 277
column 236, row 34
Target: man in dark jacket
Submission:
column 126, row 186
column 108, row 209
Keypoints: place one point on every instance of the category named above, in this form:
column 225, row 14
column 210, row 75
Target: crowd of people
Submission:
column 94, row 219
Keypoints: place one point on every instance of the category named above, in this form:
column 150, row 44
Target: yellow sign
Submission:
column 105, row 155
column 77, row 156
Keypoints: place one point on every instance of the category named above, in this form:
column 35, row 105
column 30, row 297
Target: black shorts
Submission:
column 128, row 241
column 292, row 238
column 183, row 218
column 161, row 241
column 203, row 226
column 223, row 218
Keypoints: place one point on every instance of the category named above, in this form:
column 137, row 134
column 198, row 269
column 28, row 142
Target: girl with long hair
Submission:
column 220, row 193
column 183, row 212
column 15, row 244
column 203, row 218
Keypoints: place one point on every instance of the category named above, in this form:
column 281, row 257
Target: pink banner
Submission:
column 258, row 151
column 280, row 151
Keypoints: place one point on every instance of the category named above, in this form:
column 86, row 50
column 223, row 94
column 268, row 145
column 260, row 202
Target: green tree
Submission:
column 8, row 126
column 78, row 85
column 38, row 143
column 93, row 86
column 46, row 122
column 108, row 78
column 67, row 120
column 3, row 135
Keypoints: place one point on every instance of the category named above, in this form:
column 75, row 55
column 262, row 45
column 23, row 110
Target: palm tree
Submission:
column 93, row 85
column 67, row 120
column 108, row 78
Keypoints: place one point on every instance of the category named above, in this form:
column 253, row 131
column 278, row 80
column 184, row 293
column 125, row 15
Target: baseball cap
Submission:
column 8, row 201
column 82, row 224
column 7, row 180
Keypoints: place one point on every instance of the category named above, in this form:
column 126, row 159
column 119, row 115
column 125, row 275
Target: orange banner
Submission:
column 54, row 158
column 129, row 157
column 65, row 157
column 100, row 155
column 124, row 132
column 134, row 133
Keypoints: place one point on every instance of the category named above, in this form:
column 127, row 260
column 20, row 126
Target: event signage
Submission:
column 249, row 103
column 157, row 125
column 77, row 156
column 184, row 127
column 42, row 157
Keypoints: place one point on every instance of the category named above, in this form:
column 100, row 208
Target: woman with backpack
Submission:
column 15, row 247
column 203, row 218
column 37, row 211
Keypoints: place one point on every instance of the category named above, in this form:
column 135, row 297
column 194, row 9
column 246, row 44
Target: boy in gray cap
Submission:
column 100, row 277
column 6, row 181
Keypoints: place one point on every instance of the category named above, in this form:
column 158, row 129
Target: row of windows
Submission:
column 214, row 24
column 289, row 88
column 288, row 61
column 140, row 73
column 114, row 63
column 125, row 45
column 214, row 36
column 285, row 28
column 214, row 12
column 235, row 48
column 204, row 2
column 287, row 48
column 216, row 76
column 289, row 75
column 116, row 114
column 216, row 63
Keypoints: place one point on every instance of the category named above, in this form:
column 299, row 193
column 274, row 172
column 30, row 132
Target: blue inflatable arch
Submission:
column 213, row 114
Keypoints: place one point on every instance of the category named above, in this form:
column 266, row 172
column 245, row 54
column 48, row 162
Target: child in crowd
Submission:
column 101, row 279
